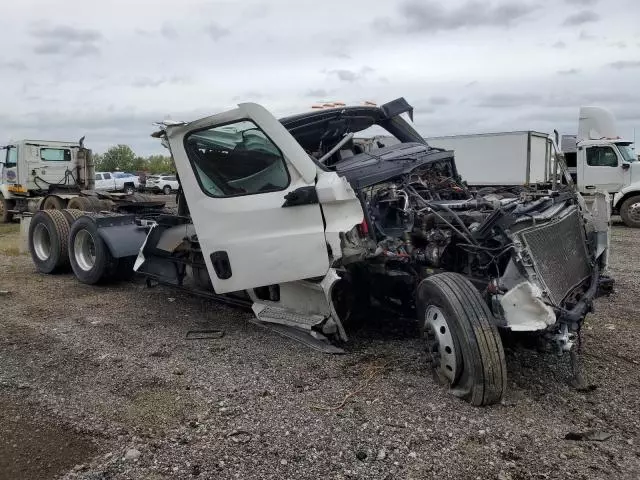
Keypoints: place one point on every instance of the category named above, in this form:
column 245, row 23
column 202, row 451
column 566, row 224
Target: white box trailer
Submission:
column 505, row 158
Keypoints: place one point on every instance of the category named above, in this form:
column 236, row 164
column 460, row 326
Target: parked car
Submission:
column 162, row 183
column 117, row 181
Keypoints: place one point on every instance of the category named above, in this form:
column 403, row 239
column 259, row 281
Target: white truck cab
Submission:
column 31, row 170
column 598, row 159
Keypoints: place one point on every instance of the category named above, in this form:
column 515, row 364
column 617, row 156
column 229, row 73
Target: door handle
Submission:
column 301, row 196
column 590, row 187
column 221, row 264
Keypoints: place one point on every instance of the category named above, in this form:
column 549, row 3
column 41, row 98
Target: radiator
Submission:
column 559, row 253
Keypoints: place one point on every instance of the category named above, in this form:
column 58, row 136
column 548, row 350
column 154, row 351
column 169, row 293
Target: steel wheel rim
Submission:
column 1, row 206
column 84, row 249
column 42, row 242
column 634, row 212
column 440, row 343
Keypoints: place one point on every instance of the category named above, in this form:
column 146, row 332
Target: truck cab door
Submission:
column 52, row 164
column 600, row 169
column 250, row 188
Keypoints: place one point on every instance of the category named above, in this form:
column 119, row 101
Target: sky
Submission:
column 108, row 70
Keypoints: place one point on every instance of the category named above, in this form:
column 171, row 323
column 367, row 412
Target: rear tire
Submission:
column 464, row 345
column 72, row 214
column 166, row 190
column 630, row 211
column 54, row 203
column 90, row 257
column 79, row 203
column 48, row 238
column 5, row 206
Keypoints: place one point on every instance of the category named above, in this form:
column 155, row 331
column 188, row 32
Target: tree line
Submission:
column 123, row 158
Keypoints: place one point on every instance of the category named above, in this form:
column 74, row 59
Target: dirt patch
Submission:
column 35, row 447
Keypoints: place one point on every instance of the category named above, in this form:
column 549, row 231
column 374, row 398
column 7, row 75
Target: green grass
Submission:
column 10, row 239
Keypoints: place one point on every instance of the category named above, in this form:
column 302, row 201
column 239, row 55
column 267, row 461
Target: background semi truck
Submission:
column 36, row 174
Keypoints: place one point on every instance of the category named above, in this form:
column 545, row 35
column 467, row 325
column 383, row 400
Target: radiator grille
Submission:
column 559, row 255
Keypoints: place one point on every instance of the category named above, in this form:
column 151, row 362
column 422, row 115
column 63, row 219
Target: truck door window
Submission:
column 12, row 157
column 236, row 159
column 601, row 157
column 628, row 154
column 55, row 154
column 98, row 176
column 106, row 176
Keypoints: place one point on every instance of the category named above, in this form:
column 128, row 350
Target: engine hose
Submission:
column 457, row 217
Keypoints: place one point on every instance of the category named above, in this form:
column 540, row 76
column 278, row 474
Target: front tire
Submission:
column 630, row 211
column 463, row 344
column 166, row 190
column 129, row 189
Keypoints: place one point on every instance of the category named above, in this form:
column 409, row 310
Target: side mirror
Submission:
column 625, row 166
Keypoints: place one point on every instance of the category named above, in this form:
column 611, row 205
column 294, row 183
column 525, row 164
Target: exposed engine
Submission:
column 428, row 221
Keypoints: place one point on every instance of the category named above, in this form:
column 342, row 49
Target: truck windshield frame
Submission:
column 628, row 154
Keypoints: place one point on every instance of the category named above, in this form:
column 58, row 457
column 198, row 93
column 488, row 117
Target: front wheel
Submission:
column 167, row 190
column 129, row 189
column 463, row 345
column 630, row 211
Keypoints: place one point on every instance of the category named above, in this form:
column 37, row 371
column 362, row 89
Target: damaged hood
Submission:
column 380, row 165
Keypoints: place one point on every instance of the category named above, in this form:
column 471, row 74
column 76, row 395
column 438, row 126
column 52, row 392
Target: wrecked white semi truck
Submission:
column 292, row 219
column 39, row 174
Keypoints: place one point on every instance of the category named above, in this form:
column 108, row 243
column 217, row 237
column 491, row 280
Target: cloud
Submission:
column 559, row 44
column 147, row 82
column 341, row 54
column 625, row 64
column 346, row 75
column 508, row 100
column 439, row 101
column 584, row 35
column 13, row 65
column 216, row 32
column 581, row 2
column 168, row 32
column 570, row 71
column 257, row 12
column 430, row 16
column 65, row 40
column 251, row 96
column 316, row 93
column 620, row 44
column 580, row 18
column 351, row 76
column 67, row 34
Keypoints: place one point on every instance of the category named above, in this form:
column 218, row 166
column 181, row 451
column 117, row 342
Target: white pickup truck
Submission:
column 117, row 181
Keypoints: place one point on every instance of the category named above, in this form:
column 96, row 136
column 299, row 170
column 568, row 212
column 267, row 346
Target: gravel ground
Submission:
column 101, row 383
